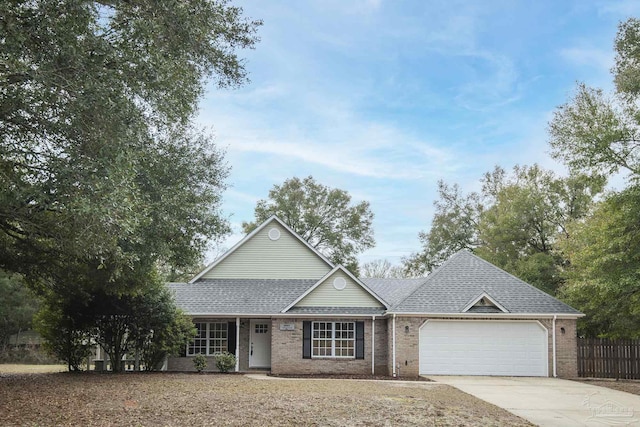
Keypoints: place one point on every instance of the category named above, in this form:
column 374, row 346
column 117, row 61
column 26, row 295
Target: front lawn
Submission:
column 164, row 399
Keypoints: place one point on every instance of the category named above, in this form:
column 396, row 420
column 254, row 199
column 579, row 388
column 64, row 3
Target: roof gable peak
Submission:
column 249, row 236
column 323, row 279
column 484, row 300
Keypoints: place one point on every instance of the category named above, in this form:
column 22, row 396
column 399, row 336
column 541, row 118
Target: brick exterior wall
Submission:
column 407, row 345
column 286, row 351
column 566, row 348
column 185, row 364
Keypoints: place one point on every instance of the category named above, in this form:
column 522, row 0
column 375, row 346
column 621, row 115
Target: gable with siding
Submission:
column 262, row 257
column 326, row 294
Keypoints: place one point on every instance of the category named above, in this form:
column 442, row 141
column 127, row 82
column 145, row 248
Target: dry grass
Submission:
column 30, row 369
column 189, row 399
column 630, row 386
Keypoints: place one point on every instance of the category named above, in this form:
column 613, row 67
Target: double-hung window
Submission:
column 333, row 339
column 210, row 340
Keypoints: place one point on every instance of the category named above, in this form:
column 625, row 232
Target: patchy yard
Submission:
column 30, row 369
column 235, row 400
column 630, row 386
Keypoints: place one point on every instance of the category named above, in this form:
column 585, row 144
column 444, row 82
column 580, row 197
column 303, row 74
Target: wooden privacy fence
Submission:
column 606, row 358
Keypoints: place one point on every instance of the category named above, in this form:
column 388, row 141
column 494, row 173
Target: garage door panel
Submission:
column 483, row 348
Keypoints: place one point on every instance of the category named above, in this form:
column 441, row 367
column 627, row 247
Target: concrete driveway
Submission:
column 552, row 401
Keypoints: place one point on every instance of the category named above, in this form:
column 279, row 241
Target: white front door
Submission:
column 260, row 343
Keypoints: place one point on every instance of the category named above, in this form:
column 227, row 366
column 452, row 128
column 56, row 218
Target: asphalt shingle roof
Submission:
column 392, row 291
column 464, row 277
column 449, row 289
column 238, row 296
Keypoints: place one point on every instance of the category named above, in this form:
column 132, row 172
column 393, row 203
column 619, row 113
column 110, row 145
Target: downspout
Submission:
column 393, row 344
column 553, row 334
column 237, row 344
column 373, row 345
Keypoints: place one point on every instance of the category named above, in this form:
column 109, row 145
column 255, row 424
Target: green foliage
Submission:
column 200, row 362
column 595, row 132
column 515, row 223
column 604, row 276
column 17, row 306
column 454, row 227
column 100, row 166
column 148, row 321
column 225, row 361
column 63, row 337
column 103, row 177
column 166, row 340
column 322, row 216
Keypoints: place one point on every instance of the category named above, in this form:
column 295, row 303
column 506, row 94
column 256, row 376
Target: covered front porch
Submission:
column 247, row 338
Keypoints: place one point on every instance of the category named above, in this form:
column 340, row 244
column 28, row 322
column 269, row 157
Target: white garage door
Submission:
column 483, row 348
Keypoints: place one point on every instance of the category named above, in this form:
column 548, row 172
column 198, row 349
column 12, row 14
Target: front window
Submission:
column 210, row 340
column 333, row 339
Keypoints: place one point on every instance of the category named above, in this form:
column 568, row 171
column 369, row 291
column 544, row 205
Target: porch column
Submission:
column 373, row 345
column 237, row 344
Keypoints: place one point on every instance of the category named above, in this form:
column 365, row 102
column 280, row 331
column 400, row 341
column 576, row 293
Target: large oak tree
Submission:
column 103, row 175
column 99, row 162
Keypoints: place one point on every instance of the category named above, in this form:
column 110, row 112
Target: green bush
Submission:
column 225, row 361
column 200, row 363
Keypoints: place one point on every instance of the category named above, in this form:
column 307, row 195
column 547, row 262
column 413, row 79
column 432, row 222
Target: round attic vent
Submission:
column 274, row 234
column 339, row 283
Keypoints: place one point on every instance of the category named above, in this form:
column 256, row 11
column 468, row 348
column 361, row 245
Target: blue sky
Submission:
column 385, row 98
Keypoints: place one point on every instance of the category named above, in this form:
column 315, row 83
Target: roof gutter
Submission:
column 496, row 315
column 278, row 315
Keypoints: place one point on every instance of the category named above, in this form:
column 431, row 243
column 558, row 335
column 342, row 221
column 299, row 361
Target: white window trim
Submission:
column 333, row 341
column 207, row 339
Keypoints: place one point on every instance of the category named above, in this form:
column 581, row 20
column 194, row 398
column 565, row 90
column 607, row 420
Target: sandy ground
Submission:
column 167, row 399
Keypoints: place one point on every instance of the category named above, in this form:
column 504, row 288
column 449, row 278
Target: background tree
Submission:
column 322, row 216
column 529, row 214
column 17, row 307
column 514, row 222
column 454, row 227
column 381, row 268
column 604, row 278
column 596, row 132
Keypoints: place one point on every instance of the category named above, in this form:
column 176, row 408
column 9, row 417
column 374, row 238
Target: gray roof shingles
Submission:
column 391, row 290
column 449, row 289
column 464, row 277
column 238, row 296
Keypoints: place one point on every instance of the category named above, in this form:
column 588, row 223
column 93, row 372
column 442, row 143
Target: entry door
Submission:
column 260, row 344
